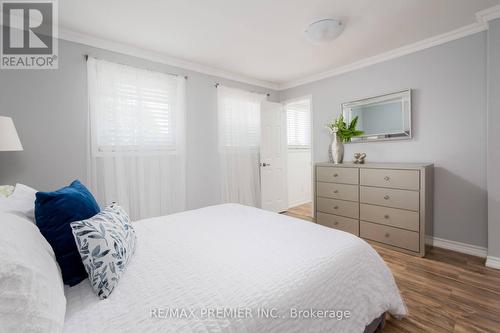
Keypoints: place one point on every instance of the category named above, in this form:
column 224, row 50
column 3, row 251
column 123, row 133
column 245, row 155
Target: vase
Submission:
column 336, row 150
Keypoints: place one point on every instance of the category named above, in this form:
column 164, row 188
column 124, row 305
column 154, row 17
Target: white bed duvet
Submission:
column 232, row 268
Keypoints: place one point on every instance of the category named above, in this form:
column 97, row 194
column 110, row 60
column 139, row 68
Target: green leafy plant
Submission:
column 343, row 130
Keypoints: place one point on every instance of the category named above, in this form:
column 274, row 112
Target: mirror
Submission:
column 385, row 117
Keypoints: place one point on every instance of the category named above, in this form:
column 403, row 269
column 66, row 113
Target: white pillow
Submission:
column 20, row 202
column 31, row 288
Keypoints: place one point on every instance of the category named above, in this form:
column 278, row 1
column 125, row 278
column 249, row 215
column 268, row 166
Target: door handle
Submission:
column 265, row 164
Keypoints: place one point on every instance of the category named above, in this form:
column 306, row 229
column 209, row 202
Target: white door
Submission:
column 273, row 157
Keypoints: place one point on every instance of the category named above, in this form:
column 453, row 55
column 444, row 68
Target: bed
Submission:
column 232, row 268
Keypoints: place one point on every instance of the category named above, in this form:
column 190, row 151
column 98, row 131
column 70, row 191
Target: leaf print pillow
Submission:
column 106, row 243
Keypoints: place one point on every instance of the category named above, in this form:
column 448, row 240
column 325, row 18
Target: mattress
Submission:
column 232, row 268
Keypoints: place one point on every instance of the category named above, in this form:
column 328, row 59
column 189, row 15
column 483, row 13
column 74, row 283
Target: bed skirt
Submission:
column 376, row 324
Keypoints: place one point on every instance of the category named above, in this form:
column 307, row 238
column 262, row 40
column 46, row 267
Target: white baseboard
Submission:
column 473, row 250
column 493, row 262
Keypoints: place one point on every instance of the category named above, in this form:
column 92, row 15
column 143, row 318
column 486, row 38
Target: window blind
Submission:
column 299, row 124
column 137, row 138
column 238, row 114
column 136, row 108
column 239, row 117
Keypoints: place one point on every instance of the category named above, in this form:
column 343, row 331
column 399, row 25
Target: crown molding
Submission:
column 488, row 14
column 482, row 18
column 396, row 53
column 81, row 38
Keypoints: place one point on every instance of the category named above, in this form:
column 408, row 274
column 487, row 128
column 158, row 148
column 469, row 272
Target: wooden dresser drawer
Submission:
column 400, row 218
column 388, row 235
column 337, row 191
column 338, row 207
column 337, row 175
column 400, row 179
column 338, row 222
column 390, row 198
column 388, row 203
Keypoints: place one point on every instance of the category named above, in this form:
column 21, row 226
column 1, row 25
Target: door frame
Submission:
column 311, row 107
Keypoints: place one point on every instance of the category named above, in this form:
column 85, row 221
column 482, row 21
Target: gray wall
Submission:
column 494, row 139
column 49, row 108
column 449, row 123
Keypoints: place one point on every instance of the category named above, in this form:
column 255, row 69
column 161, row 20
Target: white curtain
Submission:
column 137, row 138
column 239, row 141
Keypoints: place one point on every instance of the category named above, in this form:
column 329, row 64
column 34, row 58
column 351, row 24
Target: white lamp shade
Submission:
column 9, row 140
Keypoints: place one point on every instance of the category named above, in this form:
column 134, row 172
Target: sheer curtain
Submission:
column 137, row 138
column 239, row 141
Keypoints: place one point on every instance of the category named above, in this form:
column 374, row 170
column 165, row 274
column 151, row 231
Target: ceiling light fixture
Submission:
column 325, row 30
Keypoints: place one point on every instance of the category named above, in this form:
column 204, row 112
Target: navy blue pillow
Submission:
column 54, row 211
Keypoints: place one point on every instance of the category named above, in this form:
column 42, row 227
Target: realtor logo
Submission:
column 29, row 34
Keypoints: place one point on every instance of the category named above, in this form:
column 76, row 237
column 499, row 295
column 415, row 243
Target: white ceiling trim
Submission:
column 483, row 17
column 396, row 53
column 481, row 25
column 488, row 14
column 159, row 57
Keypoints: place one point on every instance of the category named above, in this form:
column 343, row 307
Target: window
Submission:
column 136, row 109
column 238, row 114
column 239, row 117
column 137, row 138
column 299, row 123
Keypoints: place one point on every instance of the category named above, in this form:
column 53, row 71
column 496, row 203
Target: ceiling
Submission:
column 264, row 39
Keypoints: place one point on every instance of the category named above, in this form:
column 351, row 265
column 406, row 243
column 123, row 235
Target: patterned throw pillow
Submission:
column 6, row 190
column 106, row 243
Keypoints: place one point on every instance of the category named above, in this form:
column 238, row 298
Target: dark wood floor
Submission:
column 445, row 292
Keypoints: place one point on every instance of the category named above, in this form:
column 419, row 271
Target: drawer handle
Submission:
column 336, row 191
column 335, row 207
column 387, row 178
column 387, row 235
column 386, row 197
column 386, row 216
column 335, row 175
column 335, row 223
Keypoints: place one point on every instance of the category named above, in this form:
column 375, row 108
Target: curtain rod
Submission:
column 255, row 92
column 86, row 56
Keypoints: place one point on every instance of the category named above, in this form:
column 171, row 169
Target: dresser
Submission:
column 387, row 203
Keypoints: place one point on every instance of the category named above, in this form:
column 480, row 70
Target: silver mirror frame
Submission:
column 403, row 135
